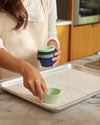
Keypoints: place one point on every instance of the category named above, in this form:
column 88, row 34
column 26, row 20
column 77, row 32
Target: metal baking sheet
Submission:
column 94, row 64
column 78, row 83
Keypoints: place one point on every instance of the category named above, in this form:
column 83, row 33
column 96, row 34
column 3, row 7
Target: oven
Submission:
column 86, row 12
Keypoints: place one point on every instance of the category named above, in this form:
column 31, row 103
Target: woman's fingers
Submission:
column 26, row 86
column 56, row 63
column 39, row 89
column 32, row 88
column 43, row 86
column 58, row 52
column 36, row 91
column 56, row 58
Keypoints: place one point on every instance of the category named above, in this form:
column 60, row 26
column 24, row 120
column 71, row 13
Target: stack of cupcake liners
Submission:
column 45, row 55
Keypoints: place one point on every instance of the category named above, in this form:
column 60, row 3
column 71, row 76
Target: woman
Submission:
column 24, row 27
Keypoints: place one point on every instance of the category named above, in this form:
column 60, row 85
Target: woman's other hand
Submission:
column 57, row 54
column 34, row 81
column 57, row 57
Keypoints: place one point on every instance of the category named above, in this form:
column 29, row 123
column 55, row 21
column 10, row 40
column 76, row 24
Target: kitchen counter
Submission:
column 61, row 22
column 16, row 111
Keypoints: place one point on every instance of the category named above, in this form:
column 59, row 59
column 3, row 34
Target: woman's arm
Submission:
column 52, row 32
column 52, row 17
column 31, row 77
column 9, row 62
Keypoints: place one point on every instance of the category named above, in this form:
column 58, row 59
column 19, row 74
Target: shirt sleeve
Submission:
column 1, row 44
column 52, row 32
column 1, row 30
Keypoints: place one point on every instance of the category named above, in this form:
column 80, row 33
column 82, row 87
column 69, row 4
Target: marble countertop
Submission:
column 16, row 111
column 61, row 22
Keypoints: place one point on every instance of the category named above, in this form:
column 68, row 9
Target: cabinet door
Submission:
column 63, row 37
column 85, row 41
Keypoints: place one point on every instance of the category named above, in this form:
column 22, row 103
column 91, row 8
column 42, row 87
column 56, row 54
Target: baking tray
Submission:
column 77, row 82
column 94, row 64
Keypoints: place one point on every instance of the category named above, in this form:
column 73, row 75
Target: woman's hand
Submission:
column 57, row 54
column 57, row 58
column 34, row 81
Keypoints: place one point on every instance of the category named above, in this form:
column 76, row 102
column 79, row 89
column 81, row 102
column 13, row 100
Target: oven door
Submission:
column 86, row 12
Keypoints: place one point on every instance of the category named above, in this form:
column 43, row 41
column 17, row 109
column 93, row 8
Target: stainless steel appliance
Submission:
column 86, row 12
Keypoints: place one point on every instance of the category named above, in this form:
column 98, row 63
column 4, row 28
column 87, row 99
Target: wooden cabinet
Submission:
column 63, row 36
column 79, row 41
column 85, row 41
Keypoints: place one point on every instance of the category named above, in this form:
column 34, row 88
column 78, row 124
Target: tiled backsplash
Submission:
column 62, row 9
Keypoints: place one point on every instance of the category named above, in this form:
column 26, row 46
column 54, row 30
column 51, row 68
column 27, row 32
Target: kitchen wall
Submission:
column 62, row 9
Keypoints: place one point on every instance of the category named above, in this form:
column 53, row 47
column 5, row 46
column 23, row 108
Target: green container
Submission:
column 46, row 49
column 46, row 53
column 52, row 97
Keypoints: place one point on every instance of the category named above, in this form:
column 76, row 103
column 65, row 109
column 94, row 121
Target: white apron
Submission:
column 23, row 43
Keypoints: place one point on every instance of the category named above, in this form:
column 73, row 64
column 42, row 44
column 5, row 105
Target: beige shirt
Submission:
column 36, row 13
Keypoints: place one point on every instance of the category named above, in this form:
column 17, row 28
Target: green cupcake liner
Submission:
column 46, row 49
column 46, row 53
column 52, row 96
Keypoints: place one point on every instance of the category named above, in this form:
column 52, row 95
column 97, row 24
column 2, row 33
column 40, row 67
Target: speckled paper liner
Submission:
column 74, row 84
